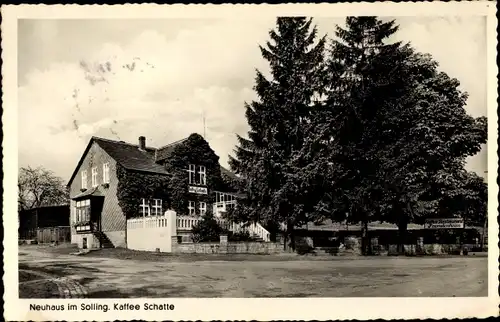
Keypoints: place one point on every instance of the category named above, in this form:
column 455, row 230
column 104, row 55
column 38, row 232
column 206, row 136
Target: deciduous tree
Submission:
column 40, row 187
column 402, row 133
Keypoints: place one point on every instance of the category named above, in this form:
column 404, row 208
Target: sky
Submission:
column 121, row 79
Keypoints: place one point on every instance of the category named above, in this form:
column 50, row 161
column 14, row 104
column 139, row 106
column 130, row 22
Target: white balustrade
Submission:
column 154, row 223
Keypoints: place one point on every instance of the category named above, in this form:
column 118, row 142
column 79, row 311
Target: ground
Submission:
column 118, row 273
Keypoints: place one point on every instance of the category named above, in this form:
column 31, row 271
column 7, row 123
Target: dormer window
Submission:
column 197, row 175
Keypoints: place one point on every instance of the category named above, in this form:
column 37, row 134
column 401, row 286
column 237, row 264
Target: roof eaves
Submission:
column 92, row 139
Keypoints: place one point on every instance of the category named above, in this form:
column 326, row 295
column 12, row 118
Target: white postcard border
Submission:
column 254, row 308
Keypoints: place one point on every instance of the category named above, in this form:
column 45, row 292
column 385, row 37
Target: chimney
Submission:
column 142, row 143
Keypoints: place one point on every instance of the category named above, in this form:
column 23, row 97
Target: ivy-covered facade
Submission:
column 115, row 181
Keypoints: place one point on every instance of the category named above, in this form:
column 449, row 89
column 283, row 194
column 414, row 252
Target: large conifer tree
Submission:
column 363, row 73
column 278, row 125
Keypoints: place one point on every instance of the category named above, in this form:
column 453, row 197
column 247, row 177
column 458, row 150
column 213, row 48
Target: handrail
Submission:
column 187, row 223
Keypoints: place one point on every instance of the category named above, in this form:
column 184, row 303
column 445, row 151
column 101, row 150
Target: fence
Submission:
column 59, row 234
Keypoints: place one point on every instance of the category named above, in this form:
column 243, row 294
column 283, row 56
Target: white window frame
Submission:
column 94, row 177
column 143, row 207
column 156, row 207
column 83, row 210
column 192, row 174
column 84, row 179
column 202, row 173
column 203, row 208
column 105, row 173
column 191, row 208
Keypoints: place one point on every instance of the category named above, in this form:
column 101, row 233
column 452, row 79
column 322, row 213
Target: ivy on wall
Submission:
column 195, row 150
column 133, row 186
column 174, row 188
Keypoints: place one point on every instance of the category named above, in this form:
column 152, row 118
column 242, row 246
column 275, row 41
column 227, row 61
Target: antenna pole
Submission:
column 204, row 126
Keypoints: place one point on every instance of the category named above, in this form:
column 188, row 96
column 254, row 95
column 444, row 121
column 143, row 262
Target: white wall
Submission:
column 152, row 233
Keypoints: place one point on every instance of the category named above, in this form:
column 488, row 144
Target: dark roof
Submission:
column 228, row 173
column 130, row 156
column 127, row 155
column 89, row 192
column 165, row 151
column 328, row 225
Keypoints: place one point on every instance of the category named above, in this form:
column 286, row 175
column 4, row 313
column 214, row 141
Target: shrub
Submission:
column 207, row 229
column 243, row 236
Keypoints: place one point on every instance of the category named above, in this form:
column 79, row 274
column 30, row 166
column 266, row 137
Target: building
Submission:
column 33, row 223
column 330, row 233
column 115, row 181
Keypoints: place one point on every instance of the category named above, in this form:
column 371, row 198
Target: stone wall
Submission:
column 228, row 248
column 427, row 249
column 392, row 250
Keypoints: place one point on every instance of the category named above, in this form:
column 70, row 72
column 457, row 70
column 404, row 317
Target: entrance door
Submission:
column 96, row 212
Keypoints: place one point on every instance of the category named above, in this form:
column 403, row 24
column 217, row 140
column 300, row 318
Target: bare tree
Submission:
column 40, row 187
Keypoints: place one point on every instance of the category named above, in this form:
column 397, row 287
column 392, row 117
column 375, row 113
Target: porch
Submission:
column 158, row 233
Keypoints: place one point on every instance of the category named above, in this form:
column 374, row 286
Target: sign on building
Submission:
column 198, row 190
column 444, row 223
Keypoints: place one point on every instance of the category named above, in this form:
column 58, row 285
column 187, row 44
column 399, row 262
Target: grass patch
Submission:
column 27, row 277
column 61, row 249
column 38, row 290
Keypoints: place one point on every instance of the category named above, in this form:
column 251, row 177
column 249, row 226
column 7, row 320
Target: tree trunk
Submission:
column 402, row 229
column 364, row 238
column 292, row 236
column 483, row 235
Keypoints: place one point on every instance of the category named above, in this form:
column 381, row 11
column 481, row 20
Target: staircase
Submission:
column 103, row 239
column 259, row 233
column 257, row 238
column 255, row 230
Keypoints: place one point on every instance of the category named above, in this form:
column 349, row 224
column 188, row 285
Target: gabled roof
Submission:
column 127, row 155
column 165, row 151
column 132, row 158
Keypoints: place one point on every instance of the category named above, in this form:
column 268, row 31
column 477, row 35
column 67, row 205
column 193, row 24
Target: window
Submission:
column 202, row 177
column 191, row 208
column 105, row 173
column 84, row 179
column 203, row 208
column 156, row 208
column 94, row 177
column 83, row 210
column 144, row 208
column 197, row 175
column 192, row 172
column 153, row 208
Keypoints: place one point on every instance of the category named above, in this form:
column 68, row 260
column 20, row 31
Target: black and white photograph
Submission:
column 240, row 157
